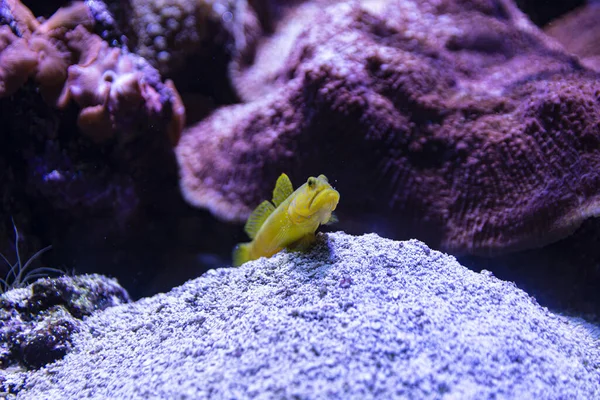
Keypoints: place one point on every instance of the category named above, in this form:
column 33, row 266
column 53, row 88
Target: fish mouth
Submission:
column 326, row 196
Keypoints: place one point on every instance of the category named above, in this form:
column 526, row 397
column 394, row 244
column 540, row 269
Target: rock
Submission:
column 38, row 321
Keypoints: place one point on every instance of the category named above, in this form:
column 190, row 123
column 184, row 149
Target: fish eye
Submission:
column 311, row 182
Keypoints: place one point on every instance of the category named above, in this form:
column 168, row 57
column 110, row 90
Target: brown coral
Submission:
column 457, row 122
column 39, row 49
column 113, row 88
column 18, row 62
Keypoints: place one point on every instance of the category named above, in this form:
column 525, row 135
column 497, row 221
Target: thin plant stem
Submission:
column 18, row 275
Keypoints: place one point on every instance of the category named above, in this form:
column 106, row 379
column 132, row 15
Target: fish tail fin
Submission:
column 241, row 254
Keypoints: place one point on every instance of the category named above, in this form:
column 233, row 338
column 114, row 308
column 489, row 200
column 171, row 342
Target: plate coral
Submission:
column 459, row 123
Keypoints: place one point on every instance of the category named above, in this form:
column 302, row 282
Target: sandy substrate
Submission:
column 357, row 318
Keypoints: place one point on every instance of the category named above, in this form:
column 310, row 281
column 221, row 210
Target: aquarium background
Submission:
column 137, row 137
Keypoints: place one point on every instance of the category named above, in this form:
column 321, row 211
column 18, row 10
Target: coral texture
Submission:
column 169, row 32
column 37, row 321
column 115, row 90
column 456, row 122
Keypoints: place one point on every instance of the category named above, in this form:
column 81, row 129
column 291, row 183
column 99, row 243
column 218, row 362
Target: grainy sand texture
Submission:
column 356, row 318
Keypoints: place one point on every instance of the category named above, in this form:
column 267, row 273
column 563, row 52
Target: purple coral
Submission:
column 456, row 122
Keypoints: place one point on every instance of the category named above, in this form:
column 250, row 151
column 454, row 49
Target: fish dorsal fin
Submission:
column 283, row 189
column 258, row 217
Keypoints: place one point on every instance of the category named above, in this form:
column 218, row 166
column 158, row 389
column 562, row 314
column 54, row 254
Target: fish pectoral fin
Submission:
column 258, row 217
column 332, row 219
column 283, row 189
column 304, row 243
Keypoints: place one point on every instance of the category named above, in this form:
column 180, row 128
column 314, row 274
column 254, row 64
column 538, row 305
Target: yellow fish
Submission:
column 289, row 220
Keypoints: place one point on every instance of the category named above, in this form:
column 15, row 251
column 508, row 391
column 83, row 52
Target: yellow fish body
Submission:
column 289, row 220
